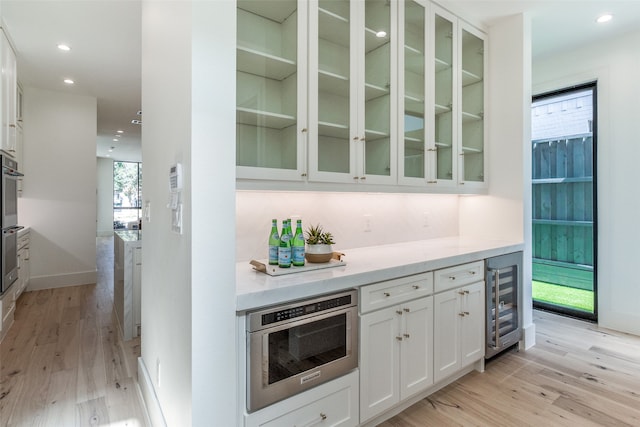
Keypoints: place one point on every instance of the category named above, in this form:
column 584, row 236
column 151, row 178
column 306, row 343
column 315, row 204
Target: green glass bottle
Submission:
column 274, row 243
column 284, row 250
column 297, row 246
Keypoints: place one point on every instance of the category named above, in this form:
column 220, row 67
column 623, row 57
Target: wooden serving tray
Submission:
column 273, row 270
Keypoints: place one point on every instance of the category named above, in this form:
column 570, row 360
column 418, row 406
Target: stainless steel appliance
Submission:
column 504, row 285
column 294, row 347
column 9, row 220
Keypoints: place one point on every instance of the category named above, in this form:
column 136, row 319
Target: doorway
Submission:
column 564, row 201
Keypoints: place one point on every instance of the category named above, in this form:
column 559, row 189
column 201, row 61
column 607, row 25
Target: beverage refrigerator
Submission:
column 504, row 301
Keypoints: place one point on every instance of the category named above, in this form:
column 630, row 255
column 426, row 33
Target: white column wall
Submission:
column 105, row 196
column 188, row 281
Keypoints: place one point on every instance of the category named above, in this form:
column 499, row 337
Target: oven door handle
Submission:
column 13, row 229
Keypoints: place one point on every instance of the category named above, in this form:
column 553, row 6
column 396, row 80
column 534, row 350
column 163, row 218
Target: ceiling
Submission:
column 105, row 40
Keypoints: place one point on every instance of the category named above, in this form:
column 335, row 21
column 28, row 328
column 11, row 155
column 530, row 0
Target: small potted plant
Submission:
column 318, row 244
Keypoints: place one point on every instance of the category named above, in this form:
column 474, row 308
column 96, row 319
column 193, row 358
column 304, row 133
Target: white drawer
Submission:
column 391, row 292
column 330, row 404
column 8, row 308
column 452, row 277
column 23, row 241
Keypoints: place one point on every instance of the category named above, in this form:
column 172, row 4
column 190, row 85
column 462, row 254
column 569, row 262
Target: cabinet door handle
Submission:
column 387, row 294
column 355, row 177
column 399, row 312
column 416, row 287
column 406, row 335
column 466, row 313
column 452, row 277
column 399, row 338
column 303, row 130
column 407, row 310
column 460, row 292
column 461, row 314
column 363, row 178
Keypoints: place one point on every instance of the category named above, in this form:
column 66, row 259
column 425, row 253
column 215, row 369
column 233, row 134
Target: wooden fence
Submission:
column 563, row 232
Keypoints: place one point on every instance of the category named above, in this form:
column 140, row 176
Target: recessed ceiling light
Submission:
column 381, row 34
column 604, row 18
column 69, row 81
column 136, row 122
column 115, row 140
column 64, row 47
column 120, row 131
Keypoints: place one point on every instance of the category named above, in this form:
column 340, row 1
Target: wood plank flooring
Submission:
column 577, row 375
column 63, row 362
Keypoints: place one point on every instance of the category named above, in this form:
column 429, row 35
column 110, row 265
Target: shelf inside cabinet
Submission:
column 373, row 42
column 413, row 60
column 249, row 116
column 374, row 91
column 372, row 135
column 334, row 130
column 333, row 83
column 441, row 109
column 333, row 27
column 469, row 78
column 414, row 139
column 471, row 150
column 471, row 117
column 442, row 65
column 442, row 145
column 413, row 105
column 275, row 11
column 262, row 64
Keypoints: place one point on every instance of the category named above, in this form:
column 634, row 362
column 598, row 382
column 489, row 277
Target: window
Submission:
column 127, row 194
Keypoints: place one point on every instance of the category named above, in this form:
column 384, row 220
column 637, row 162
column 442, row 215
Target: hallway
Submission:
column 63, row 362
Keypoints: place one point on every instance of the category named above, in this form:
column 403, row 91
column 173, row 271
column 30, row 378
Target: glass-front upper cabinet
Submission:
column 445, row 111
column 472, row 127
column 350, row 63
column 413, row 104
column 271, row 89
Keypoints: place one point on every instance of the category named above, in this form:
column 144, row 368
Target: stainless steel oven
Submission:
column 9, row 201
column 294, row 347
column 9, row 257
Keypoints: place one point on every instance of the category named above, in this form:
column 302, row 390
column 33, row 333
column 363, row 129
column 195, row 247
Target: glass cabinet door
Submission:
column 412, row 121
column 269, row 81
column 332, row 153
column 379, row 73
column 444, row 90
column 472, row 102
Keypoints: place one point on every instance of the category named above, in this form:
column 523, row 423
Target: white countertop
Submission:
column 363, row 266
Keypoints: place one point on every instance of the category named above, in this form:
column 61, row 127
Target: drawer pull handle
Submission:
column 399, row 338
column 407, row 310
column 406, row 335
column 416, row 287
column 399, row 312
column 461, row 314
column 452, row 277
column 461, row 292
column 466, row 292
column 466, row 313
column 323, row 416
column 472, row 272
column 387, row 294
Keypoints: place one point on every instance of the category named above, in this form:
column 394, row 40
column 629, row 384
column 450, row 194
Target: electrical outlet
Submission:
column 367, row 225
column 426, row 219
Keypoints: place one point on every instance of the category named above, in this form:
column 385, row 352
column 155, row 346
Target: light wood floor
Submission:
column 63, row 362
column 576, row 375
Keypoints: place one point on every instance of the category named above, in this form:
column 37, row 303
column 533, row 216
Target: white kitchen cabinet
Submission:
column 459, row 329
column 271, row 89
column 334, row 403
column 353, row 85
column 442, row 130
column 395, row 344
column 8, row 85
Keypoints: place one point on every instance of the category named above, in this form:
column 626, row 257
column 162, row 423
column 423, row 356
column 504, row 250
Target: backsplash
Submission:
column 392, row 218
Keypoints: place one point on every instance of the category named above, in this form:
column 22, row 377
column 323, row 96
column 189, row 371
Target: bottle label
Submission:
column 284, row 256
column 298, row 255
column 273, row 254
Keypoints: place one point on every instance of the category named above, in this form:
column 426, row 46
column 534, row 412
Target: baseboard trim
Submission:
column 149, row 397
column 529, row 336
column 62, row 280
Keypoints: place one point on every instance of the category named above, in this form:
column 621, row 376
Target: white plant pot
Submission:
column 318, row 253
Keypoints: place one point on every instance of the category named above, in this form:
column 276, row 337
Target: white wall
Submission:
column 393, row 217
column 188, row 280
column 105, row 196
column 506, row 211
column 59, row 197
column 614, row 65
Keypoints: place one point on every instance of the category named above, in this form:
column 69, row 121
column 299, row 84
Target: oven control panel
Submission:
column 303, row 310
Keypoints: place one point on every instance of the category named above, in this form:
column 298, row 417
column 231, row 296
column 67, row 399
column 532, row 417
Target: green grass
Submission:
column 562, row 295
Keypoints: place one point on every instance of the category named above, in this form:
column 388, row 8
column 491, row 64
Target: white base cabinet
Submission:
column 334, row 403
column 396, row 338
column 396, row 349
column 459, row 319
